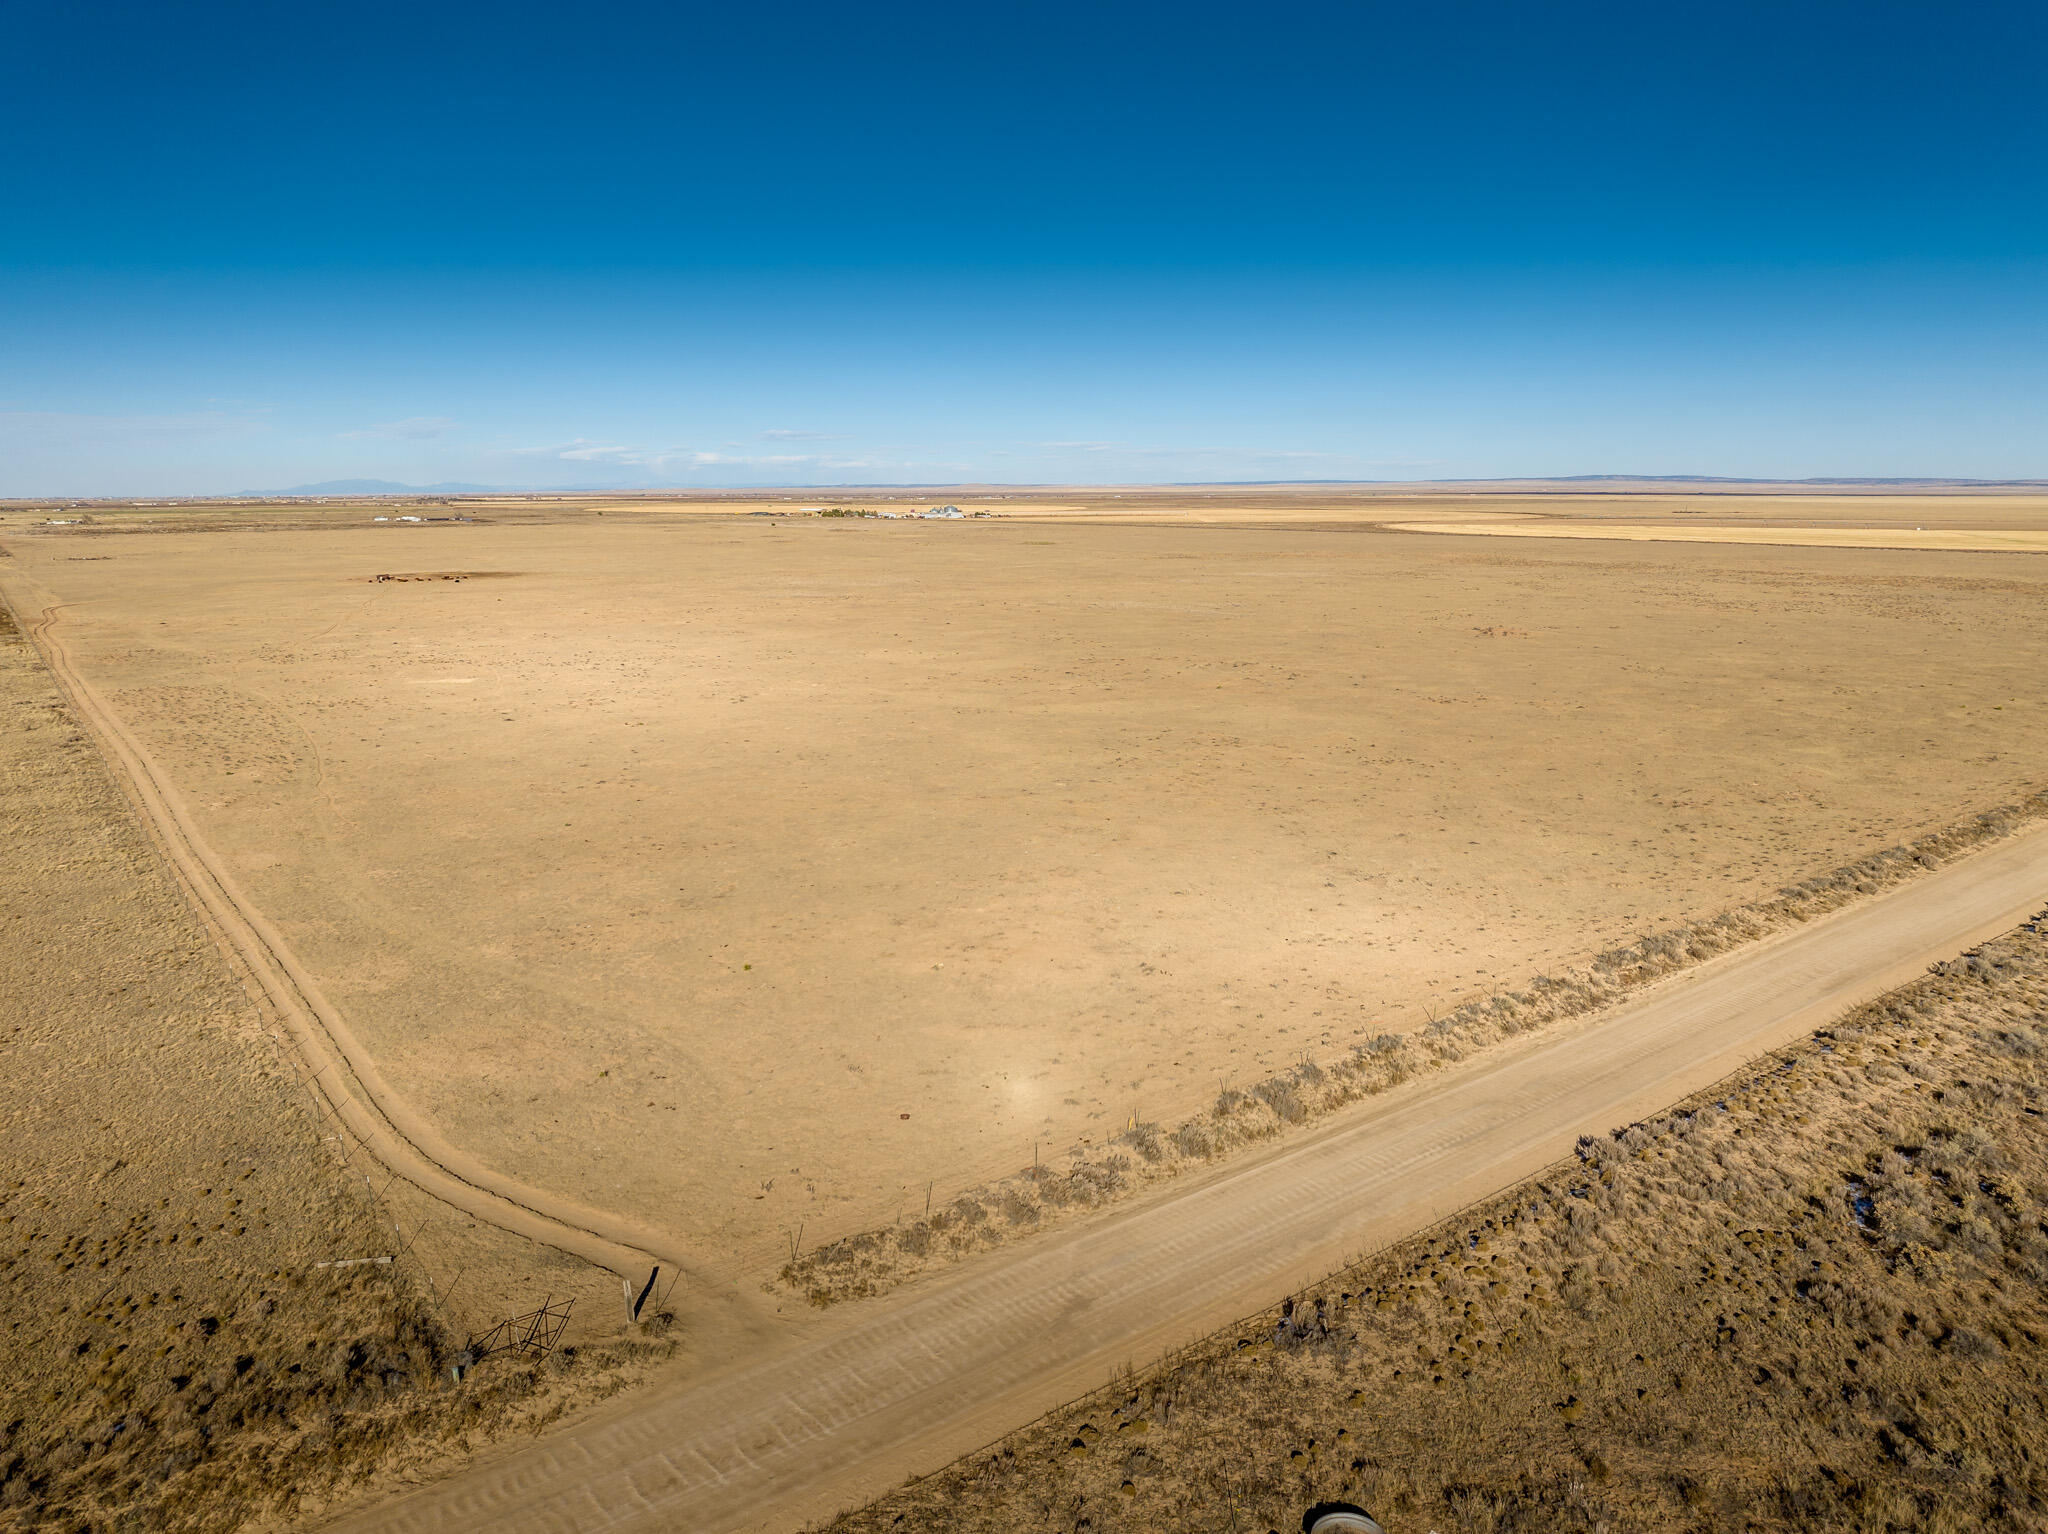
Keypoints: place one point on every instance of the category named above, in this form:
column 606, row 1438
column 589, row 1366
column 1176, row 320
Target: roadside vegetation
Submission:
column 871, row 1262
column 1814, row 1297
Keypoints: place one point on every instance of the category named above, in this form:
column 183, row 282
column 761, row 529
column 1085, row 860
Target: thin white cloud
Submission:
column 413, row 428
column 623, row 455
column 783, row 435
column 599, row 453
column 733, row 463
column 1232, row 453
column 581, row 450
column 750, row 460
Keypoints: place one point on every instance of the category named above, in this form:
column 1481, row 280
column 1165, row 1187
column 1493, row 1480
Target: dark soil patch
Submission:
column 446, row 575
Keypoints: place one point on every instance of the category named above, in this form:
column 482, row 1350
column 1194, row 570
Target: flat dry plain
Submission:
column 746, row 873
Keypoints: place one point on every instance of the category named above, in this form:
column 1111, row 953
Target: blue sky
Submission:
column 252, row 246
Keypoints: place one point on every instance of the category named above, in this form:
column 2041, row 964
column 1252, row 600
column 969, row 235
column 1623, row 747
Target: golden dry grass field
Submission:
column 750, row 873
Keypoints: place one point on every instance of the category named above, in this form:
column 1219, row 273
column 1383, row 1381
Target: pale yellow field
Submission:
column 742, row 873
column 2019, row 540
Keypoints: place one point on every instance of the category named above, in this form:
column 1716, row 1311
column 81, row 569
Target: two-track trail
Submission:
column 902, row 1384
column 376, row 1116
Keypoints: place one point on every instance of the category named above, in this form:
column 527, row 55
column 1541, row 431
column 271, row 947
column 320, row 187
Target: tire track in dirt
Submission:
column 395, row 1133
column 848, row 1406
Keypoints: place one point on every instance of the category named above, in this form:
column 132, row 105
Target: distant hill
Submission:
column 381, row 487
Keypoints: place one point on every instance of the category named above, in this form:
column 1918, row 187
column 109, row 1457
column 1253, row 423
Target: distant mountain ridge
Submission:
column 455, row 487
column 382, row 487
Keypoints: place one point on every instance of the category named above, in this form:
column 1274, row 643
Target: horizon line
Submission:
column 400, row 492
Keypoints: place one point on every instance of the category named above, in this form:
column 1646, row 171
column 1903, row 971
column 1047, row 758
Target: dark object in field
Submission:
column 441, row 575
column 646, row 1290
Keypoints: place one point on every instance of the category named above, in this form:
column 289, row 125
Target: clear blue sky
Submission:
column 254, row 245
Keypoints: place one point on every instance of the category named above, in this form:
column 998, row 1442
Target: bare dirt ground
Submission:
column 1808, row 1298
column 862, row 1395
column 1072, row 1186
column 671, row 869
column 752, row 880
column 181, row 1351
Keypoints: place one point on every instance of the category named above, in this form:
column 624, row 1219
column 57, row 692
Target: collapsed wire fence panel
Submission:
column 532, row 1335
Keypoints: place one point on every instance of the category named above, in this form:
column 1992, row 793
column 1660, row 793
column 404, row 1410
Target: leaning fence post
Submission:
column 649, row 1289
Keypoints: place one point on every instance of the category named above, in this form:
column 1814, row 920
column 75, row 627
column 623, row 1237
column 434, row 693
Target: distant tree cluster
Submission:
column 847, row 511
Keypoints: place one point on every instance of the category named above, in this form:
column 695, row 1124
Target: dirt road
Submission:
column 852, row 1402
column 347, row 1079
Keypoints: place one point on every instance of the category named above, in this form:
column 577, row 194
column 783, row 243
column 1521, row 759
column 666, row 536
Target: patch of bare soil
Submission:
column 193, row 1339
column 871, row 1262
column 1809, row 1298
column 758, row 883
